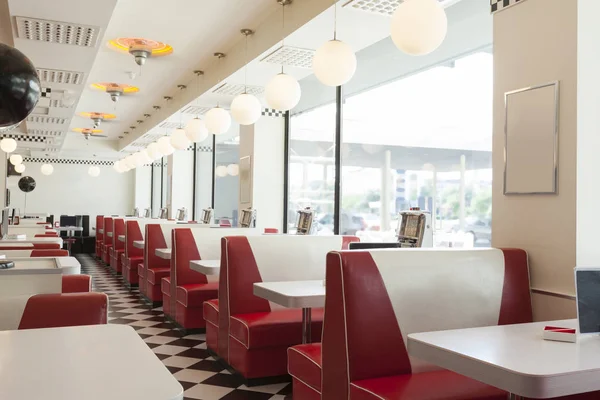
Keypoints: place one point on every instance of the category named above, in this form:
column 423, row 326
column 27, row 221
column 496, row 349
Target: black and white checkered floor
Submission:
column 185, row 356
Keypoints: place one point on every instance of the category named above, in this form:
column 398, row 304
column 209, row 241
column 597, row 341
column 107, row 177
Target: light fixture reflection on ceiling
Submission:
column 233, row 169
column 221, row 171
column 334, row 63
column 47, row 169
column 419, row 26
column 94, row 171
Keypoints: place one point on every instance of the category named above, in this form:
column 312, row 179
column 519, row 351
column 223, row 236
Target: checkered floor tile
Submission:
column 185, row 356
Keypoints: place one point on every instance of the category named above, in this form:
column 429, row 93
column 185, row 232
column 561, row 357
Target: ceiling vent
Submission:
column 170, row 125
column 41, row 119
column 229, row 89
column 291, row 56
column 151, row 137
column 57, row 32
column 58, row 76
column 196, row 110
column 384, row 7
column 44, row 132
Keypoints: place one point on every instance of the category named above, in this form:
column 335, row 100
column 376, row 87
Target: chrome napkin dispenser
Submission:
column 182, row 214
column 136, row 212
column 207, row 215
column 304, row 222
column 148, row 213
column 248, row 218
column 164, row 213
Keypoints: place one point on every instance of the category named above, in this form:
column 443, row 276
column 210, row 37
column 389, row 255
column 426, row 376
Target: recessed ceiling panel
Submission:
column 384, row 7
column 57, row 32
column 229, row 89
column 196, row 110
column 291, row 56
column 58, row 76
column 42, row 119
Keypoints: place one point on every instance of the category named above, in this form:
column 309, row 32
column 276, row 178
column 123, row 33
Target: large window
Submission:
column 312, row 167
column 422, row 141
column 227, row 185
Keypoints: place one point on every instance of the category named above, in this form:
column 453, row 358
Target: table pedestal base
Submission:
column 306, row 323
column 512, row 396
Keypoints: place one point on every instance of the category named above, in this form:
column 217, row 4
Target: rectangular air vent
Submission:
column 151, row 137
column 170, row 125
column 196, row 110
column 291, row 56
column 42, row 119
column 57, row 32
column 230, row 89
column 58, row 76
column 44, row 132
column 384, row 7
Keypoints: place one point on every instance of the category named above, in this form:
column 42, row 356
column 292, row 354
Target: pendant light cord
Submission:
column 334, row 19
column 282, row 30
column 246, row 68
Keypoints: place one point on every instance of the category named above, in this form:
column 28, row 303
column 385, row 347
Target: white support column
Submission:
column 263, row 142
column 386, row 184
column 434, row 201
column 461, row 192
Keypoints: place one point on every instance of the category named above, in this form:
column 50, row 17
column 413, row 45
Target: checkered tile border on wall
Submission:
column 271, row 112
column 28, row 138
column 65, row 161
column 499, row 5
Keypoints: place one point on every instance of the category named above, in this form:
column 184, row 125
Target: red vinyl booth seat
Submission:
column 253, row 337
column 130, row 269
column 211, row 316
column 360, row 298
column 76, row 283
column 107, row 242
column 190, row 300
column 118, row 248
column 99, row 236
column 165, row 288
column 60, row 310
column 153, row 279
column 154, row 268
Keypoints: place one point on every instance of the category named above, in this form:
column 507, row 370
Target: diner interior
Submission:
column 299, row 200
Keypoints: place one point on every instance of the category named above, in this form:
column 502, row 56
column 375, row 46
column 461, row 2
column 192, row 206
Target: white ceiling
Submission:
column 47, row 136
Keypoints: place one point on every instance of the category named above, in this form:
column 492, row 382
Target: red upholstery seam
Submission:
column 247, row 329
column 368, row 391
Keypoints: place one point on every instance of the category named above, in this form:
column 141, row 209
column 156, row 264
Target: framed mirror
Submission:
column 531, row 140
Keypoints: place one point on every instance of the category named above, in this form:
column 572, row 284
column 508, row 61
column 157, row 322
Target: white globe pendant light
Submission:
column 117, row 166
column 146, row 157
column 334, row 63
column 164, row 146
column 153, row 151
column 125, row 165
column 47, row 169
column 179, row 139
column 131, row 162
column 283, row 92
column 246, row 109
column 8, row 145
column 94, row 171
column 16, row 159
column 138, row 159
column 217, row 121
column 221, row 171
column 20, row 168
column 419, row 26
column 233, row 169
column 196, row 130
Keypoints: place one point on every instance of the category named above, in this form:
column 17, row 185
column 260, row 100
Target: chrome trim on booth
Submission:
column 553, row 294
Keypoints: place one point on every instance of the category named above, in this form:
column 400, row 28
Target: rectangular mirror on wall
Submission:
column 531, row 140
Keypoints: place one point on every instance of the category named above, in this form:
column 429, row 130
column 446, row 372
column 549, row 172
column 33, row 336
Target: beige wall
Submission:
column 534, row 43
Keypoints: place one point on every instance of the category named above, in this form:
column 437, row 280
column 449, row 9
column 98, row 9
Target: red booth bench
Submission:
column 133, row 256
column 185, row 291
column 118, row 247
column 154, row 268
column 99, row 235
column 107, row 243
column 254, row 334
column 376, row 298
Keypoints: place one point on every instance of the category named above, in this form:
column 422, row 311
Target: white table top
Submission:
column 101, row 230
column 84, row 362
column 293, row 294
column 138, row 244
column 109, row 234
column 121, row 238
column 163, row 253
column 515, row 358
column 206, row 267
column 69, row 228
column 28, row 240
